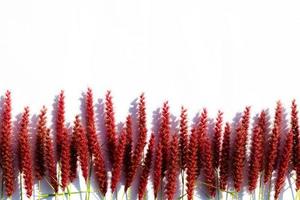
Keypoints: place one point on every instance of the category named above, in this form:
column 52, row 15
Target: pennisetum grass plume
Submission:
column 146, row 168
column 94, row 147
column 239, row 151
column 284, row 164
column 173, row 169
column 6, row 146
column 24, row 153
column 192, row 164
column 110, row 127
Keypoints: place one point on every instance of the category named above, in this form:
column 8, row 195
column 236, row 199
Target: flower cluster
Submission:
column 208, row 154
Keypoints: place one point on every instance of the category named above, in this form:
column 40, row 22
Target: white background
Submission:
column 215, row 54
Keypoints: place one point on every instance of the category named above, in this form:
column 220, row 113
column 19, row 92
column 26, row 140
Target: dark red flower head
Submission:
column 110, row 126
column 239, row 151
column 192, row 164
column 24, row 153
column 225, row 158
column 284, row 164
column 81, row 146
column 146, row 168
column 217, row 139
column 94, row 147
column 141, row 142
column 173, row 169
column 183, row 143
column 257, row 152
column 274, row 144
column 6, row 146
column 60, row 123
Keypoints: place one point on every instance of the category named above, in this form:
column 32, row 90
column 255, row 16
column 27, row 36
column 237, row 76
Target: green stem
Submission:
column 89, row 181
column 21, row 186
column 39, row 189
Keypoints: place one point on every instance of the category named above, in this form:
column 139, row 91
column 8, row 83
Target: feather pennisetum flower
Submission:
column 263, row 124
column 206, row 151
column 284, row 164
column 257, row 152
column 65, row 159
column 164, row 133
column 217, row 139
column 73, row 159
column 192, row 164
column 6, row 146
column 239, row 151
column 60, row 123
column 157, row 169
column 173, row 169
column 118, row 160
column 81, row 146
column 225, row 158
column 39, row 160
column 201, row 130
column 110, row 126
column 128, row 146
column 273, row 144
column 183, row 142
column 94, row 147
column 146, row 168
column 50, row 161
column 140, row 145
column 24, row 153
column 295, row 130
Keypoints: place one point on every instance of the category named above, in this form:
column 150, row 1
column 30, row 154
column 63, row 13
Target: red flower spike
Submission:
column 183, row 143
column 217, row 139
column 263, row 124
column 50, row 161
column 225, row 158
column 60, row 123
column 284, row 164
column 192, row 164
column 157, row 169
column 128, row 147
column 274, row 144
column 206, row 152
column 65, row 159
column 295, row 130
column 110, row 126
column 173, row 169
column 24, row 153
column 257, row 152
column 81, row 146
column 6, row 147
column 94, row 147
column 146, row 168
column 201, row 130
column 239, row 154
column 164, row 132
column 39, row 166
column 74, row 159
column 118, row 160
column 141, row 142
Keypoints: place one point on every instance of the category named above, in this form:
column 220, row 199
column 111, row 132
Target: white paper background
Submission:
column 218, row 54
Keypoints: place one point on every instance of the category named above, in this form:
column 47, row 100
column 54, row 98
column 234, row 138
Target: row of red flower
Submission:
column 218, row 157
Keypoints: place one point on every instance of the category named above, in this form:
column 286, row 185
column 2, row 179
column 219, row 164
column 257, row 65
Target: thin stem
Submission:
column 89, row 181
column 39, row 188
column 21, row 186
column 182, row 181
